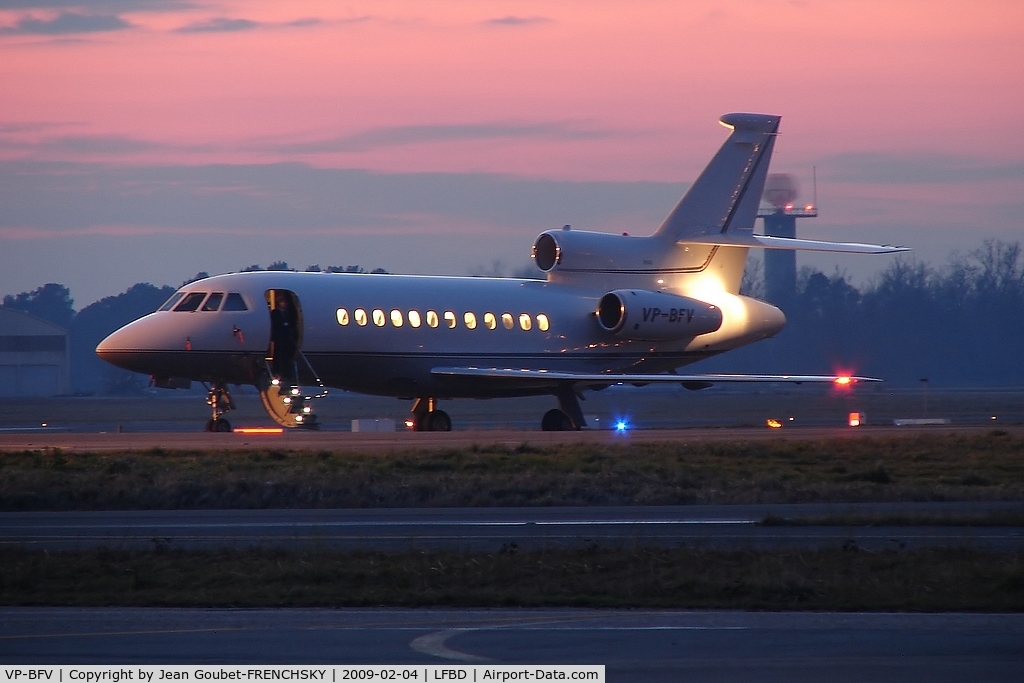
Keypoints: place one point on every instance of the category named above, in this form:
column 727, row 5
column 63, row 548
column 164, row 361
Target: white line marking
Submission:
column 433, row 644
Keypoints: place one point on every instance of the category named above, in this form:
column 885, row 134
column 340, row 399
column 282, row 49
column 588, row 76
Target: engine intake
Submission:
column 655, row 316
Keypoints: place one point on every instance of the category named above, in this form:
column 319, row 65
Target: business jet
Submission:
column 614, row 309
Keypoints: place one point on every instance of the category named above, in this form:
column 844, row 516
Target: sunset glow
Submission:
column 908, row 110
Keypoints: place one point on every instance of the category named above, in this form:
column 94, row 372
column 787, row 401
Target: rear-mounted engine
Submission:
column 655, row 316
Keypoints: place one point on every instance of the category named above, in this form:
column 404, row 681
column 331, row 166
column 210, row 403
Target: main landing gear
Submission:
column 427, row 418
column 568, row 416
column 219, row 399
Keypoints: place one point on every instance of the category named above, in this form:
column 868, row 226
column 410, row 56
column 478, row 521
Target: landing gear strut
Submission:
column 219, row 399
column 427, row 418
column 567, row 416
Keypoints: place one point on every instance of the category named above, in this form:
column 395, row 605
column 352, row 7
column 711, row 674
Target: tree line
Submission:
column 961, row 324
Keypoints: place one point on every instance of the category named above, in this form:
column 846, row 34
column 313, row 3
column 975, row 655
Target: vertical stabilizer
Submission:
column 726, row 195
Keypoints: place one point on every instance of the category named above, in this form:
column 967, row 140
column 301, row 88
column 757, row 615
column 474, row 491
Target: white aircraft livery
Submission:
column 613, row 309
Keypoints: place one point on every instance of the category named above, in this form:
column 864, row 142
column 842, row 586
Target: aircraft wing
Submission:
column 790, row 243
column 534, row 377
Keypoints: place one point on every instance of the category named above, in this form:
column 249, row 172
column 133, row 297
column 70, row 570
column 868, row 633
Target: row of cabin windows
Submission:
column 203, row 301
column 447, row 318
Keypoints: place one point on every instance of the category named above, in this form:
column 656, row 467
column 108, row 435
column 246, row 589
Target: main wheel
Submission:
column 210, row 426
column 556, row 421
column 438, row 421
column 221, row 425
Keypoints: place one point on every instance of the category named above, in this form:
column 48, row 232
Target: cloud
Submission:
column 399, row 136
column 26, row 127
column 98, row 5
column 915, row 168
column 57, row 196
column 219, row 25
column 228, row 25
column 66, row 23
column 516, row 21
column 99, row 144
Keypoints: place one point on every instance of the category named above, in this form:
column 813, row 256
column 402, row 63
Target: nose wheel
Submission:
column 219, row 399
column 427, row 418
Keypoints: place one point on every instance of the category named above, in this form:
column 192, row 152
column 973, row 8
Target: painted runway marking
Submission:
column 434, row 644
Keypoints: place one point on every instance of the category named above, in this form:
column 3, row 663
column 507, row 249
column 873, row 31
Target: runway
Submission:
column 300, row 440
column 489, row 529
column 635, row 645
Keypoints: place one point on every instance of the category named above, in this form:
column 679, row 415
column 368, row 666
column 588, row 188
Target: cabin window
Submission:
column 213, row 303
column 450, row 320
column 470, row 319
column 414, row 318
column 169, row 304
column 191, row 302
column 507, row 321
column 524, row 321
column 378, row 317
column 432, row 319
column 542, row 322
column 360, row 316
column 490, row 322
column 235, row 302
column 396, row 317
column 343, row 316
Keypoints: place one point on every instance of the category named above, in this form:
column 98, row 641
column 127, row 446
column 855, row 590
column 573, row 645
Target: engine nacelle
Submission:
column 655, row 316
column 571, row 251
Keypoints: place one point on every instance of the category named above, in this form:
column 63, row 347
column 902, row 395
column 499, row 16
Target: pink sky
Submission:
column 910, row 110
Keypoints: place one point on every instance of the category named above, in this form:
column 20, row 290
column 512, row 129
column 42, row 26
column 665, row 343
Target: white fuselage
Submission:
column 412, row 324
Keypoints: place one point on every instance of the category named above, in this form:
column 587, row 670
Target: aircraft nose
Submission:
column 114, row 346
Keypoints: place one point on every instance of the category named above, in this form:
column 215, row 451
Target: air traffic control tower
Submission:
column 780, row 214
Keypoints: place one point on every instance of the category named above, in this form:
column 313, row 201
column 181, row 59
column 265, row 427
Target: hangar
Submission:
column 33, row 356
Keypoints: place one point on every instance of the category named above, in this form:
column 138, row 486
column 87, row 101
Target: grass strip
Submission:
column 827, row 579
column 926, row 467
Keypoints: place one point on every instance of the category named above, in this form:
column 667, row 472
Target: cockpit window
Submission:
column 169, row 304
column 235, row 302
column 190, row 302
column 213, row 303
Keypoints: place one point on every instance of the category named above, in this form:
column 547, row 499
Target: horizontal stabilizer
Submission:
column 767, row 242
column 535, row 376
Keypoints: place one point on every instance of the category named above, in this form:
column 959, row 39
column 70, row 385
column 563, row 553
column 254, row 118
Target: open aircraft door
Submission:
column 282, row 389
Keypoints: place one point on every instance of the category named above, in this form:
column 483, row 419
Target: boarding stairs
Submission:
column 288, row 402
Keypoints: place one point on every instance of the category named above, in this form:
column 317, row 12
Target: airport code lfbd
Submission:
column 455, row 673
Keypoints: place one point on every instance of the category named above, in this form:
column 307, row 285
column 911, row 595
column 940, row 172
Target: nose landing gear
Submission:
column 219, row 399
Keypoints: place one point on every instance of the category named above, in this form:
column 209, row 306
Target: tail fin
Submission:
column 724, row 199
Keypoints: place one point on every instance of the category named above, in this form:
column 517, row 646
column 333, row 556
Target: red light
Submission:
column 843, row 380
